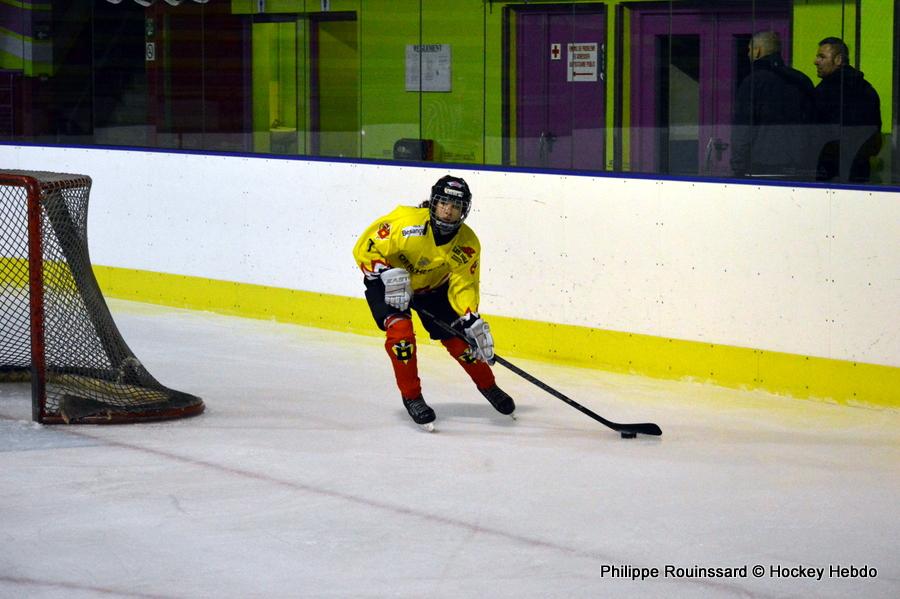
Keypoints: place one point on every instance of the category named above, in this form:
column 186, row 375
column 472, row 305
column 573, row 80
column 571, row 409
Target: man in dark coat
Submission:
column 848, row 111
column 772, row 117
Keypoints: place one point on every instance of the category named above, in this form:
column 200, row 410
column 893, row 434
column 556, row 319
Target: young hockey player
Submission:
column 426, row 258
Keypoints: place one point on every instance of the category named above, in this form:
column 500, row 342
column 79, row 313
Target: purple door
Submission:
column 560, row 87
column 685, row 69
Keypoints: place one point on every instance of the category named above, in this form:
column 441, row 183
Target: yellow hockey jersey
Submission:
column 404, row 239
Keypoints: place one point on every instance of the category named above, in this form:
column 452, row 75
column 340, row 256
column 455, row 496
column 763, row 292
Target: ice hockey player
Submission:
column 426, row 258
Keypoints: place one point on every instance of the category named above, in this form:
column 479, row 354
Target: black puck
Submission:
column 627, row 435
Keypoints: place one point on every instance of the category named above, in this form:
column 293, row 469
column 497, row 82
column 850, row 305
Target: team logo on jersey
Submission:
column 413, row 231
column 462, row 254
column 384, row 230
column 423, row 262
column 404, row 350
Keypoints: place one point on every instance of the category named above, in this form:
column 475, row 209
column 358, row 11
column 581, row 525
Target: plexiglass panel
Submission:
column 721, row 90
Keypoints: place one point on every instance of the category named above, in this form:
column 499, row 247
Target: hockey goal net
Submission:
column 56, row 330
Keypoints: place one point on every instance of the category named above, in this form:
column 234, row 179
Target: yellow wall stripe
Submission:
column 853, row 383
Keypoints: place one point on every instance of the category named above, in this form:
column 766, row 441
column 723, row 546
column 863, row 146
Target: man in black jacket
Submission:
column 848, row 110
column 772, row 116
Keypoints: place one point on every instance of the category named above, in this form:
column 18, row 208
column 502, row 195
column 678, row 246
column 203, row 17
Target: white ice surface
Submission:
column 306, row 478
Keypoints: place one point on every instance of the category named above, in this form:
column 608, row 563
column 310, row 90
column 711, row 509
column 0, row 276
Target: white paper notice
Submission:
column 582, row 62
column 432, row 62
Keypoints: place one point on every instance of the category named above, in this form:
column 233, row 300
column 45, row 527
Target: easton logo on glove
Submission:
column 397, row 289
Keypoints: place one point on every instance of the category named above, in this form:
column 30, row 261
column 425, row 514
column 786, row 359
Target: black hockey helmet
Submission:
column 452, row 190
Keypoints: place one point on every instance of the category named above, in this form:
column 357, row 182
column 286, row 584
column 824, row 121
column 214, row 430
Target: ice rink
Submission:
column 306, row 478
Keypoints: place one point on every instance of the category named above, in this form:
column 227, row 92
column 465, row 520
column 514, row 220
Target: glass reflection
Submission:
column 669, row 88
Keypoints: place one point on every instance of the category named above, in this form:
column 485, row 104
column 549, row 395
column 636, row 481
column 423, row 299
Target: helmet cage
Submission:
column 451, row 190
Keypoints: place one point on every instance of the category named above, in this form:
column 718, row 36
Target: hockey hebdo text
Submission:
column 753, row 571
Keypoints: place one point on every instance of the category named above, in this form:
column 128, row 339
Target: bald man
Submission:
column 772, row 116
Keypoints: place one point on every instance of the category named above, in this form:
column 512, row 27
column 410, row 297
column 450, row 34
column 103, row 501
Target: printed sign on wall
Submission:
column 582, row 62
column 428, row 67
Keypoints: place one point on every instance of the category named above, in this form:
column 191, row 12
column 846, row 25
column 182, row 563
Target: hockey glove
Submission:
column 397, row 288
column 478, row 334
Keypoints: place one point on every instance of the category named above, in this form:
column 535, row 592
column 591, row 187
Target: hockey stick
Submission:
column 644, row 428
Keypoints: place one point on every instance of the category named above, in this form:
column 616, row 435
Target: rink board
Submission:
column 786, row 288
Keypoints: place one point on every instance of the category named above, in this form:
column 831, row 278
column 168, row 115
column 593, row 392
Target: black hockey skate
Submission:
column 502, row 402
column 420, row 412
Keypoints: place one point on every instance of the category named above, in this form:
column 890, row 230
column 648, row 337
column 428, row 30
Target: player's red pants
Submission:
column 401, row 347
column 479, row 371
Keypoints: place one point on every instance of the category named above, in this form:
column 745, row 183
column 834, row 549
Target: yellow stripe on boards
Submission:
column 853, row 383
column 306, row 308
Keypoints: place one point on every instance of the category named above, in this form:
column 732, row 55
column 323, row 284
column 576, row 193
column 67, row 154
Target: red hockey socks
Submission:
column 401, row 347
column 479, row 372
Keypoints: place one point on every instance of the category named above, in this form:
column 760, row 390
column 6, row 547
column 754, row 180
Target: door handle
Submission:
column 545, row 146
column 720, row 147
column 714, row 144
